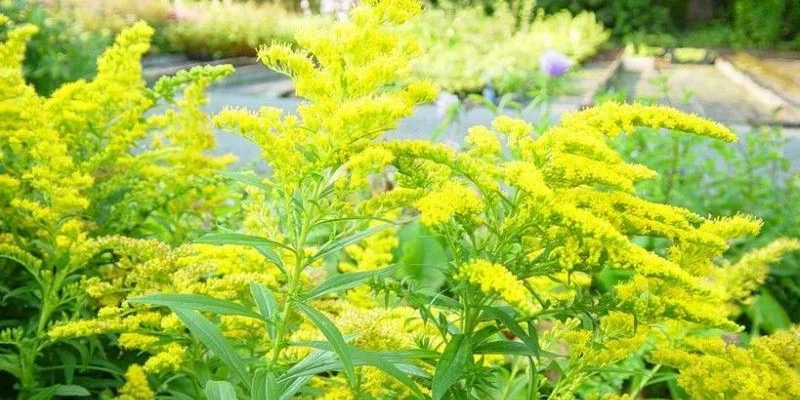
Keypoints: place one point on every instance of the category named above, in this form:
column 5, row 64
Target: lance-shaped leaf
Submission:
column 267, row 306
column 451, row 365
column 210, row 335
column 197, row 302
column 265, row 386
column 348, row 281
column 220, row 390
column 334, row 337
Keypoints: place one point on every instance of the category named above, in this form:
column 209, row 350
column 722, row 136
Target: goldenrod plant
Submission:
column 102, row 157
column 305, row 299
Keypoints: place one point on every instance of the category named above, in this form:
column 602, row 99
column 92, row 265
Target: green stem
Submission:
column 294, row 275
column 533, row 381
column 511, row 376
column 648, row 376
column 673, row 168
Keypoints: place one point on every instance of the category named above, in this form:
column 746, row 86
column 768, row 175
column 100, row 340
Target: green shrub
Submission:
column 759, row 21
column 622, row 17
column 62, row 51
column 462, row 50
column 211, row 31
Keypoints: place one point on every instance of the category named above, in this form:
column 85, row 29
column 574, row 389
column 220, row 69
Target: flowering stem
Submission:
column 294, row 274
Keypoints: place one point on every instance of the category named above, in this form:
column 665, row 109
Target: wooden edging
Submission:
column 755, row 89
column 785, row 114
column 587, row 100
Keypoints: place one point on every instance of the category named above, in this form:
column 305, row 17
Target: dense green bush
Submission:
column 62, row 51
column 747, row 23
column 212, row 31
column 622, row 17
column 761, row 21
column 463, row 50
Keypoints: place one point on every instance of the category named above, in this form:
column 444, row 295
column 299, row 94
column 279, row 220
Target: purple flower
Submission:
column 445, row 103
column 554, row 64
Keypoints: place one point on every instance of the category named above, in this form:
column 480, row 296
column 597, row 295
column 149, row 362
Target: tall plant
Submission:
column 100, row 157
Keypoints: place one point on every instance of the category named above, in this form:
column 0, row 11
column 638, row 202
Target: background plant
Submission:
column 463, row 50
column 63, row 50
column 196, row 29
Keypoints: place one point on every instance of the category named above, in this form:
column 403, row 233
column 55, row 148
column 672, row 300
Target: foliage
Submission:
column 73, row 169
column 547, row 287
column 737, row 23
column 760, row 21
column 110, row 17
column 197, row 31
column 622, row 17
column 62, row 50
column 462, row 50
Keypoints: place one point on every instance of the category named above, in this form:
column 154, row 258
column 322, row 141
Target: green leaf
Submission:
column 220, row 390
column 72, row 390
column 10, row 363
column 341, row 243
column 267, row 306
column 176, row 395
column 768, row 313
column 334, row 337
column 197, row 302
column 265, row 386
column 394, row 363
column 316, row 362
column 508, row 322
column 455, row 358
column 506, row 347
column 422, row 255
column 377, row 360
column 45, row 394
column 245, row 178
column 295, row 387
column 350, row 280
column 239, row 239
column 210, row 335
column 68, row 361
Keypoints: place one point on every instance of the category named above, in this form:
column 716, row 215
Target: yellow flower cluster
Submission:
column 147, row 266
column 136, row 386
column 78, row 150
column 342, row 72
column 741, row 279
column 168, row 360
column 618, row 340
column 99, row 157
column 495, row 279
column 769, row 368
column 452, row 199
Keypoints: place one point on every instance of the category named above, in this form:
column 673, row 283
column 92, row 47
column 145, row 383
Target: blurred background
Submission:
column 74, row 32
